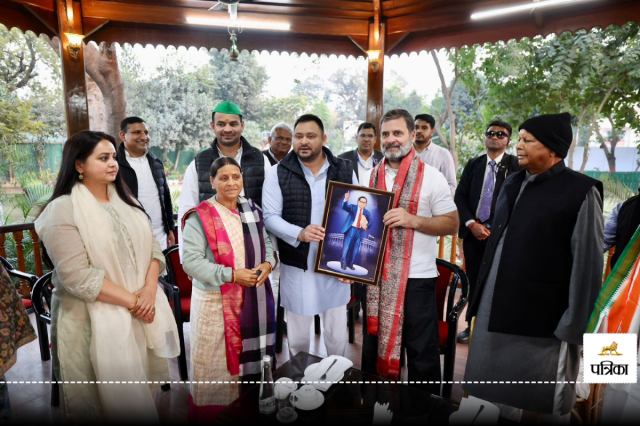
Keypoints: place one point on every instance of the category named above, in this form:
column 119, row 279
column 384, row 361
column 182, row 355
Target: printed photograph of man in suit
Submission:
column 353, row 229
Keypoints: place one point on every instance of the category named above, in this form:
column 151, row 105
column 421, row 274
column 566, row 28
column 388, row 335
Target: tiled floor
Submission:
column 31, row 401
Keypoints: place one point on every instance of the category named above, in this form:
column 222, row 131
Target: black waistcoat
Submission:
column 532, row 285
column 252, row 165
column 296, row 194
column 628, row 222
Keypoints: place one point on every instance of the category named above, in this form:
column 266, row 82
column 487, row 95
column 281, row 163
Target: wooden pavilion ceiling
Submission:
column 317, row 26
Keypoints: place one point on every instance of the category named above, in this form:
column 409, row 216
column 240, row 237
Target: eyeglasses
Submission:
column 500, row 135
column 362, row 135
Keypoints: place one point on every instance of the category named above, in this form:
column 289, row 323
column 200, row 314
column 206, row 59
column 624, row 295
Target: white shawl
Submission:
column 115, row 354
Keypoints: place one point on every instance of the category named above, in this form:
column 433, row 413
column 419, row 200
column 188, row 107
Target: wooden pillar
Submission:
column 375, row 80
column 73, row 74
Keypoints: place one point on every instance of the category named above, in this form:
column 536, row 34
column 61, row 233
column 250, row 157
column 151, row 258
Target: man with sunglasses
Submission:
column 476, row 199
column 364, row 156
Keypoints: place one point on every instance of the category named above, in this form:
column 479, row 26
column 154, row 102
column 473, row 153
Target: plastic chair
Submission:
column 178, row 288
column 448, row 315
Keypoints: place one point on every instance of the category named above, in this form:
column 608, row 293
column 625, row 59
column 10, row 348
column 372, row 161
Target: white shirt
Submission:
column 355, row 221
column 190, row 195
column 487, row 168
column 440, row 158
column 435, row 200
column 364, row 166
column 148, row 194
column 302, row 292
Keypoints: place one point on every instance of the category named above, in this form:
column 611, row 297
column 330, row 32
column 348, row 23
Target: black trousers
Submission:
column 420, row 336
column 473, row 254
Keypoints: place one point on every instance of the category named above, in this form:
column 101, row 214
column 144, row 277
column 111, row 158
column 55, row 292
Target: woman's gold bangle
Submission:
column 136, row 305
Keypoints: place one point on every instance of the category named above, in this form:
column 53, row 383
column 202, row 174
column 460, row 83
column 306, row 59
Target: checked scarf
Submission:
column 385, row 303
column 249, row 312
column 616, row 309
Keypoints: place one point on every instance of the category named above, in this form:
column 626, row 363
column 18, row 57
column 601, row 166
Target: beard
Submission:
column 403, row 151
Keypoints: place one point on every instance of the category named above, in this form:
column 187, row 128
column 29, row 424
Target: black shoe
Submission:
column 352, row 268
column 343, row 267
column 464, row 336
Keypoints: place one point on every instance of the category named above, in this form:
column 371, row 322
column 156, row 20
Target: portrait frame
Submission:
column 366, row 264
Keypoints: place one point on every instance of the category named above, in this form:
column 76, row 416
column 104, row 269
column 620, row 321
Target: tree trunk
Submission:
column 102, row 66
column 614, row 142
column 446, row 92
column 106, row 101
column 95, row 101
column 175, row 167
column 585, row 157
column 611, row 160
column 572, row 148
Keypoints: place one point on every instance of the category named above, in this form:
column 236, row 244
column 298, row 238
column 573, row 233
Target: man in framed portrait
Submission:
column 353, row 229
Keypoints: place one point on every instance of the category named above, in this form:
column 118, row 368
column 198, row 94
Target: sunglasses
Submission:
column 500, row 135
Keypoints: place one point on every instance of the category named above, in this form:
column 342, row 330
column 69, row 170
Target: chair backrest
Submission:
column 30, row 278
column 175, row 273
column 449, row 277
column 41, row 297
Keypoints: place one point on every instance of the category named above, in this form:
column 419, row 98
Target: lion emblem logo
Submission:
column 609, row 350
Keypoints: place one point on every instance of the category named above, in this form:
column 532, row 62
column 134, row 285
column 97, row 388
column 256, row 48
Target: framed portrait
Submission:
column 355, row 235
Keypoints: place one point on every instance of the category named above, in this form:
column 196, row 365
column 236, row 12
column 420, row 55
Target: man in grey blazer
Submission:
column 364, row 157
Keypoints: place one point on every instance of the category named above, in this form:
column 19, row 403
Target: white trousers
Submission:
column 334, row 331
column 161, row 236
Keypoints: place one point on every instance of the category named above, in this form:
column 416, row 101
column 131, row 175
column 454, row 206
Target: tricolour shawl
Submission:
column 385, row 304
column 249, row 312
column 616, row 309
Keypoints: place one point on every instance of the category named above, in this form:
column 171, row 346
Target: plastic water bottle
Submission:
column 267, row 395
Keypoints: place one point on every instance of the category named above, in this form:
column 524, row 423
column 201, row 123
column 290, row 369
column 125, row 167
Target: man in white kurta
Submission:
column 304, row 293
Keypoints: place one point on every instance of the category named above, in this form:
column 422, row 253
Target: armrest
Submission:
column 168, row 287
column 25, row 276
column 457, row 309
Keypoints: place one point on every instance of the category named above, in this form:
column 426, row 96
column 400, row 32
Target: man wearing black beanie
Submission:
column 539, row 279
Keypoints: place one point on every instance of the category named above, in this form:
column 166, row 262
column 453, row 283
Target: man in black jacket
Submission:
column 476, row 199
column 279, row 143
column 227, row 125
column 364, row 157
column 294, row 199
column 144, row 174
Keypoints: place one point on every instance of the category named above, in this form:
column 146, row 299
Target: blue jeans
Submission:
column 350, row 246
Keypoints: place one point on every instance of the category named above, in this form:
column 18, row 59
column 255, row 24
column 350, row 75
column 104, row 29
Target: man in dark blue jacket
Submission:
column 357, row 222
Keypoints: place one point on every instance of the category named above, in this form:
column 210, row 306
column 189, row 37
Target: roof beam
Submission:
column 48, row 18
column 553, row 24
column 166, row 15
column 40, row 4
column 17, row 16
column 219, row 38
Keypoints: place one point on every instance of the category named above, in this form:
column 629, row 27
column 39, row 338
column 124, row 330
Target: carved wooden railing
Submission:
column 18, row 233
column 453, row 255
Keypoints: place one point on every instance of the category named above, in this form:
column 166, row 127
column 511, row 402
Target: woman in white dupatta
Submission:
column 109, row 321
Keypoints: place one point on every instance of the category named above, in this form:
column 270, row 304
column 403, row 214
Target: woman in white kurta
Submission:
column 109, row 321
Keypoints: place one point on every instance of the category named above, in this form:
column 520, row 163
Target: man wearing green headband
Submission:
column 227, row 125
